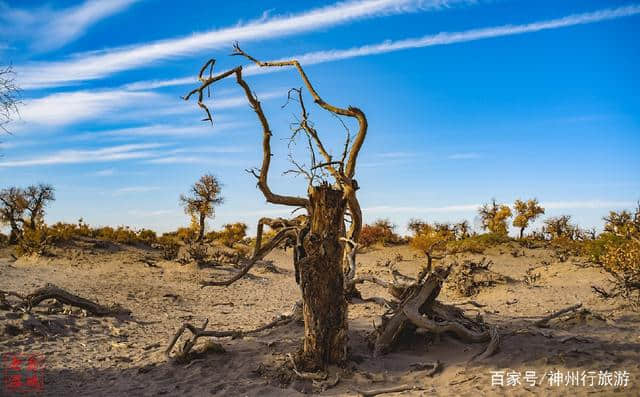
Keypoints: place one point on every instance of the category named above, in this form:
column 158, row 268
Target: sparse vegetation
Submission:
column 200, row 201
column 494, row 217
column 431, row 238
column 230, row 234
column 380, row 232
column 559, row 227
column 526, row 212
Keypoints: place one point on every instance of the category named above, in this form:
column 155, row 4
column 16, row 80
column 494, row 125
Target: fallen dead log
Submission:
column 51, row 291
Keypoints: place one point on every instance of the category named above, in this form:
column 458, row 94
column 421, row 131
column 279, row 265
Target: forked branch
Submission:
column 263, row 184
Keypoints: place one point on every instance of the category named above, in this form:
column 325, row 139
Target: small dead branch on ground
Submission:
column 543, row 321
column 203, row 332
column 51, row 291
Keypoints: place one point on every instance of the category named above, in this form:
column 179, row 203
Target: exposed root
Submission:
column 314, row 376
column 51, row 291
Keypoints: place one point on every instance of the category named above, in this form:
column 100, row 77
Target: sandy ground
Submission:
column 107, row 356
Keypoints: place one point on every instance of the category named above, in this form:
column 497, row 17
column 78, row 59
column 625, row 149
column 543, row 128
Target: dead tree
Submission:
column 319, row 251
column 324, row 247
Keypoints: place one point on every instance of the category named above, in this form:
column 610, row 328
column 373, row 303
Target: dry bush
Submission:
column 230, row 234
column 34, row 242
column 169, row 246
column 469, row 277
column 146, row 236
column 560, row 227
column 198, row 253
column 381, row 232
column 4, row 240
column 477, row 244
column 618, row 248
column 186, row 234
column 62, row 232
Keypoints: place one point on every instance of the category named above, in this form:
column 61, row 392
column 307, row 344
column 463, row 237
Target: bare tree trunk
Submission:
column 322, row 280
column 15, row 233
column 201, row 230
column 521, row 233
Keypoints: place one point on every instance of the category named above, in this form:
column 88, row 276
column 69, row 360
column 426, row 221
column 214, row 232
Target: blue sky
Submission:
column 466, row 100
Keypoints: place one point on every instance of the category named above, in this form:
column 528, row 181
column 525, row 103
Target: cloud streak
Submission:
column 439, row 39
column 48, row 29
column 95, row 65
column 151, row 153
column 72, row 156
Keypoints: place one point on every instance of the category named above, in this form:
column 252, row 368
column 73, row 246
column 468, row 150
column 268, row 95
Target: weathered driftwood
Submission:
column 419, row 309
column 51, row 291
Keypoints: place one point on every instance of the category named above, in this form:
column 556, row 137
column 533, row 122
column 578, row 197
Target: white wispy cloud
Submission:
column 165, row 130
column 94, row 65
column 464, row 156
column 150, row 153
column 443, row 38
column 75, row 156
column 48, row 29
column 66, row 108
column 70, row 107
